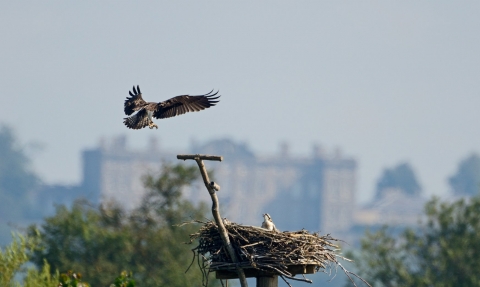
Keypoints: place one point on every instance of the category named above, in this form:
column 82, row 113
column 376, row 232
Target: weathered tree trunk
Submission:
column 216, row 210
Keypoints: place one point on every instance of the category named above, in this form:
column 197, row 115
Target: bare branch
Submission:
column 283, row 278
column 216, row 210
column 349, row 272
column 200, row 156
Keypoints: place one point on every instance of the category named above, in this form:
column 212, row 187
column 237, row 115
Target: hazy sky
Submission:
column 387, row 81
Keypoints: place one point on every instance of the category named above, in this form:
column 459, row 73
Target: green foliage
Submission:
column 72, row 279
column 14, row 256
column 402, row 177
column 164, row 198
column 124, row 280
column 467, row 179
column 444, row 251
column 42, row 278
column 100, row 241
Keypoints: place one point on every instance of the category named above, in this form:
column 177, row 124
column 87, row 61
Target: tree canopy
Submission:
column 401, row 176
column 17, row 180
column 443, row 251
column 99, row 242
column 14, row 256
column 466, row 181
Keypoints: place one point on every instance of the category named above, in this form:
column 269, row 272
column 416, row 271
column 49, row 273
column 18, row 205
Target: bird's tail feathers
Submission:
column 137, row 121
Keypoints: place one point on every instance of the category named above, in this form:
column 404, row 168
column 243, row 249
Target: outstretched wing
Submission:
column 137, row 121
column 134, row 102
column 183, row 104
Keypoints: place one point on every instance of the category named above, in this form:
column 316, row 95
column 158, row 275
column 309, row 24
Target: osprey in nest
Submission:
column 175, row 106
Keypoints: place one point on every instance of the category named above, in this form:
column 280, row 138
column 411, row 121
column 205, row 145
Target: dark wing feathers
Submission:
column 180, row 105
column 135, row 102
column 173, row 107
column 137, row 121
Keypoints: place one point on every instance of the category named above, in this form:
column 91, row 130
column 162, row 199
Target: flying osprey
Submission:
column 175, row 106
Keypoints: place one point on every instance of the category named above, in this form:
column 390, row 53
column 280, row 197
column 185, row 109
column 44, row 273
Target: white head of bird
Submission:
column 267, row 216
column 268, row 222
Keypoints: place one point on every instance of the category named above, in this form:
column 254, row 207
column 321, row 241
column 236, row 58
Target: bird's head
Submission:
column 266, row 216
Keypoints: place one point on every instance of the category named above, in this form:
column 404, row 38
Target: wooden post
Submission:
column 267, row 281
column 216, row 210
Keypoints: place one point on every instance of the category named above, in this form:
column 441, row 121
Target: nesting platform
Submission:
column 263, row 253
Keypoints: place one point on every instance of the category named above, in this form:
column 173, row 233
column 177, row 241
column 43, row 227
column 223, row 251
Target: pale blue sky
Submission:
column 387, row 81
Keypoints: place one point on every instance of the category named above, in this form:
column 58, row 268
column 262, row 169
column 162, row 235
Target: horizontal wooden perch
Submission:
column 252, row 272
column 200, row 156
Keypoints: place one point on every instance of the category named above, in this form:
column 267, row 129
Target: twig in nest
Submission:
column 349, row 272
column 268, row 251
column 283, row 278
column 193, row 260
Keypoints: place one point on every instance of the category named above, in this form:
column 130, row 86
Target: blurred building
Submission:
column 315, row 192
column 394, row 208
column 113, row 171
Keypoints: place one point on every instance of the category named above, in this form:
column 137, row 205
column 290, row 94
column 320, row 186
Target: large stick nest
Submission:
column 262, row 249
